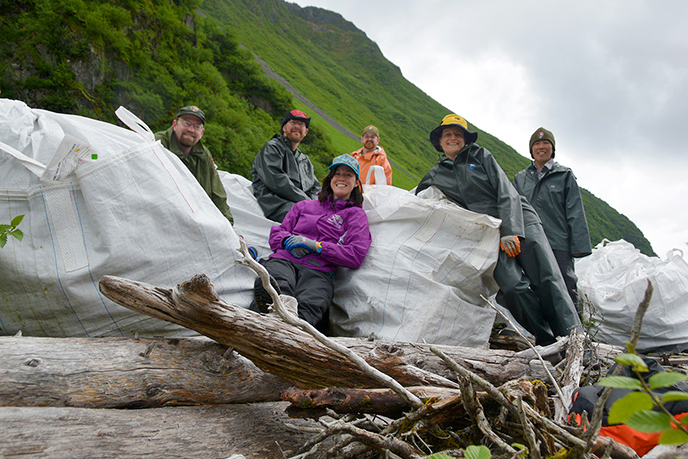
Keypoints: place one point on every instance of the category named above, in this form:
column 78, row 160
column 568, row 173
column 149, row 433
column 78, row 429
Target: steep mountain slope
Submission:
column 88, row 57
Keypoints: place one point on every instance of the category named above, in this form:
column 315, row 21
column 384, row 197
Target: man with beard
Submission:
column 372, row 154
column 282, row 174
column 183, row 139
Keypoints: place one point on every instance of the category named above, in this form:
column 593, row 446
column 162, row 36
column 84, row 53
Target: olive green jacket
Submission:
column 200, row 163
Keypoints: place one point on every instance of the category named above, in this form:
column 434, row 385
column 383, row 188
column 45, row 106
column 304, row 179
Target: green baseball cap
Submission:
column 371, row 128
column 192, row 110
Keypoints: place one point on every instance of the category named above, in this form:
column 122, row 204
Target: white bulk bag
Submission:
column 249, row 221
column 422, row 280
column 377, row 173
column 614, row 278
column 110, row 202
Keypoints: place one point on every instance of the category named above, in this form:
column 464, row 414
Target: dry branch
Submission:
column 383, row 402
column 570, row 379
column 290, row 316
column 377, row 441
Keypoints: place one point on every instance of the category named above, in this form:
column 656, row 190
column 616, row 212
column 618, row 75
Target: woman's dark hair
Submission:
column 326, row 192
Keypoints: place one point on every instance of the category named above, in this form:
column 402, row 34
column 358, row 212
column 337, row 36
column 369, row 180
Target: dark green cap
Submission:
column 192, row 110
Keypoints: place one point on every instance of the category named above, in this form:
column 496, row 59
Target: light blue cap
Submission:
column 346, row 160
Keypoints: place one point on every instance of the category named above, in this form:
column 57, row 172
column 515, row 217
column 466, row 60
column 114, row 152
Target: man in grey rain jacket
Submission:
column 282, row 174
column 531, row 286
column 553, row 191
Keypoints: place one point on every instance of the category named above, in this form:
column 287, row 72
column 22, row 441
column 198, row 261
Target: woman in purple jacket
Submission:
column 315, row 238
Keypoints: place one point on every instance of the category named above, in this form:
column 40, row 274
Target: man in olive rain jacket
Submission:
column 183, row 139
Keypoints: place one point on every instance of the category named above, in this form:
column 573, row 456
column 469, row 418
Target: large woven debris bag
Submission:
column 98, row 200
column 614, row 279
column 422, row 280
column 249, row 221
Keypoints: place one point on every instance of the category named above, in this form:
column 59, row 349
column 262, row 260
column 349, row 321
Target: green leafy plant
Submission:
column 636, row 408
column 477, row 452
column 11, row 230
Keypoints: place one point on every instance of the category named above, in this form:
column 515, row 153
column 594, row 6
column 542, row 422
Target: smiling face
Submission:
column 452, row 141
column 189, row 130
column 370, row 140
column 295, row 130
column 343, row 182
column 542, row 152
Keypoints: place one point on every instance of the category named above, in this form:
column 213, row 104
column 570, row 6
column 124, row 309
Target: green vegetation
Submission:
column 636, row 408
column 11, row 230
column 478, row 452
column 88, row 57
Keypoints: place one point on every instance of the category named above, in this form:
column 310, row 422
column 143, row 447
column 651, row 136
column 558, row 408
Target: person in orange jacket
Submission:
column 372, row 154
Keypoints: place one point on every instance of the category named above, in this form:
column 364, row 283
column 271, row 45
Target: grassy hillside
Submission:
column 153, row 56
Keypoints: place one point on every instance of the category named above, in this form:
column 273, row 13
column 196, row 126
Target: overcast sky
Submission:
column 609, row 78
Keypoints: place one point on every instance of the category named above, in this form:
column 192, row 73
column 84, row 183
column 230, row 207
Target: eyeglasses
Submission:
column 197, row 127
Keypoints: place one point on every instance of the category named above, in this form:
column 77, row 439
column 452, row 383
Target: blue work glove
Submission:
column 251, row 250
column 300, row 246
column 511, row 245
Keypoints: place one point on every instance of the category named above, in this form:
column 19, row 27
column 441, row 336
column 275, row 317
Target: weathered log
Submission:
column 385, row 402
column 295, row 355
column 128, row 373
column 256, row 431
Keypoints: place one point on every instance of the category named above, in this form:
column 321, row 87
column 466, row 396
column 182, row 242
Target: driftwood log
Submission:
column 256, row 431
column 128, row 373
column 295, row 355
